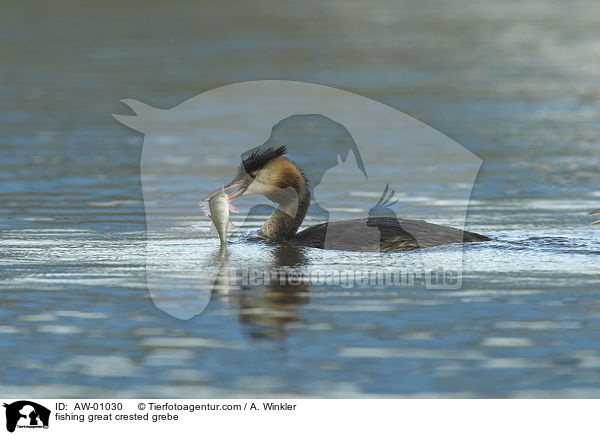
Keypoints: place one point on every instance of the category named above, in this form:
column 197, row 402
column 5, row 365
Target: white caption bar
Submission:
column 276, row 416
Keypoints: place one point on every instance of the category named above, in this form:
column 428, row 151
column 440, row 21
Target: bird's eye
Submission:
column 253, row 175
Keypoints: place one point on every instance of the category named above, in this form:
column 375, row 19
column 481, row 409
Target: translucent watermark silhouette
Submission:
column 369, row 166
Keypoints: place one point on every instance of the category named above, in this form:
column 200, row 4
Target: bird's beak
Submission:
column 594, row 212
column 237, row 187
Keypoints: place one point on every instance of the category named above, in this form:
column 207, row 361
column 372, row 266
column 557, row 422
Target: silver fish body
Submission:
column 217, row 208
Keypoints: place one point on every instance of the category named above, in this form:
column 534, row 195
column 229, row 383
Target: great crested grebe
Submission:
column 268, row 172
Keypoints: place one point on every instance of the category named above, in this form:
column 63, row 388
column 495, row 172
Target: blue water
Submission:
column 516, row 84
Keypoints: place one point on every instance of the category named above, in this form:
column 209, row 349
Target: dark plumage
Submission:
column 396, row 235
column 260, row 157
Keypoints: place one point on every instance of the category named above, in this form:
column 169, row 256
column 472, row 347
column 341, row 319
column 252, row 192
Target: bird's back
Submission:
column 394, row 235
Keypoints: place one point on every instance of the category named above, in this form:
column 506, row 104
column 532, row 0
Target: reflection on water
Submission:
column 265, row 310
column 515, row 84
column 268, row 312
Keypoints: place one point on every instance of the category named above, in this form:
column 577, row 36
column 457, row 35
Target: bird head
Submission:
column 266, row 171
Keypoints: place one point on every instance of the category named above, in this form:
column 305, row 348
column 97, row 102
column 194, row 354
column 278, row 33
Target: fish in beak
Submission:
column 264, row 172
column 235, row 188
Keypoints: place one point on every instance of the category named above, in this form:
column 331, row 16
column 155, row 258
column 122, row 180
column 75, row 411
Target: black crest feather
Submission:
column 260, row 157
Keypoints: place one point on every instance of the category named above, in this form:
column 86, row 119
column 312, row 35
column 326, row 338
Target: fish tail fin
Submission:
column 232, row 224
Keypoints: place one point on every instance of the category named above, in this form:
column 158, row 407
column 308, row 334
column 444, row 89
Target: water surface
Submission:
column 517, row 84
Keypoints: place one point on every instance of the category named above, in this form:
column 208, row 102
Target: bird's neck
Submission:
column 287, row 218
